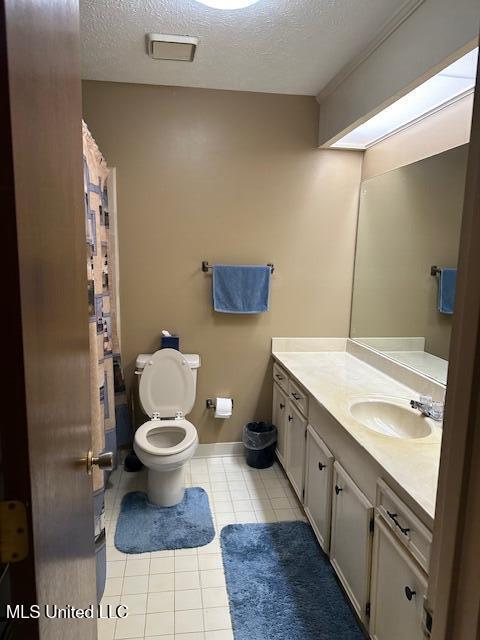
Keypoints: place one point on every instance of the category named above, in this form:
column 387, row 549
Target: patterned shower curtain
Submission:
column 109, row 410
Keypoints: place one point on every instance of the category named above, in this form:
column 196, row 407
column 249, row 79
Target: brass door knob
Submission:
column 104, row 461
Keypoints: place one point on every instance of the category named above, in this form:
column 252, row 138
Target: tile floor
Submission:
column 181, row 595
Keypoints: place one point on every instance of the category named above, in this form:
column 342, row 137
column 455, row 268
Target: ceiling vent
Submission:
column 164, row 47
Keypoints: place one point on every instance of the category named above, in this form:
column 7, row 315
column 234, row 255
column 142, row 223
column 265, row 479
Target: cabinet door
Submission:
column 398, row 589
column 351, row 543
column 280, row 400
column 318, row 487
column 296, row 429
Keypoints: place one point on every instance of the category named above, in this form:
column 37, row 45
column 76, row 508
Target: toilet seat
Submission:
column 179, row 432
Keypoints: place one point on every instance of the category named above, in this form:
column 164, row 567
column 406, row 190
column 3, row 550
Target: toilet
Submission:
column 164, row 444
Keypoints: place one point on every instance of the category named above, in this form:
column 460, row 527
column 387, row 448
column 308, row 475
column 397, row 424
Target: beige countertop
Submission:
column 333, row 379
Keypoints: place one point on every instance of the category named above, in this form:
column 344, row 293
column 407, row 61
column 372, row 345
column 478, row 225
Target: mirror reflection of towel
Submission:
column 446, row 290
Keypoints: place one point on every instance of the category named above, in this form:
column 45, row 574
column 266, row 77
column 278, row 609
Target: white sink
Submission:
column 391, row 417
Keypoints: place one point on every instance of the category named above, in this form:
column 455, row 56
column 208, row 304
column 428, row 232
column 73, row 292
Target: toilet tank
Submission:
column 193, row 360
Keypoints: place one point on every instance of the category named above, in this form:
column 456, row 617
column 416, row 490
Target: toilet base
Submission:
column 166, row 488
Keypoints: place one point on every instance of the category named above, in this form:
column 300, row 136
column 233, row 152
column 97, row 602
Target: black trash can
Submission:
column 260, row 439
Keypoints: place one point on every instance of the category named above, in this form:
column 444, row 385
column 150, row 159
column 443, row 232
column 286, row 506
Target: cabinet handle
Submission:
column 394, row 517
column 279, row 377
column 338, row 489
column 290, row 418
column 321, row 466
column 409, row 593
column 282, row 406
column 296, row 396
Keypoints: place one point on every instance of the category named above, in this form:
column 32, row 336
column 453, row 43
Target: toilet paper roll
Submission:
column 223, row 408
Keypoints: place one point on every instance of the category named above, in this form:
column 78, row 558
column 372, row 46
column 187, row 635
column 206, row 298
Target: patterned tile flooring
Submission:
column 181, row 595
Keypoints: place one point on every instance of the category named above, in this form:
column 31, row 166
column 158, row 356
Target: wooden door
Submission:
column 399, row 587
column 280, row 401
column 351, row 543
column 318, row 487
column 45, row 349
column 296, row 431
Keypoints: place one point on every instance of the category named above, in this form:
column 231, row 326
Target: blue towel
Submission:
column 241, row 288
column 446, row 290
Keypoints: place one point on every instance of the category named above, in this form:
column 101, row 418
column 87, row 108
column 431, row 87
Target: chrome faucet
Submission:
column 428, row 407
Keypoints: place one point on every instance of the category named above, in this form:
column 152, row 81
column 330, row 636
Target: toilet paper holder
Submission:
column 211, row 404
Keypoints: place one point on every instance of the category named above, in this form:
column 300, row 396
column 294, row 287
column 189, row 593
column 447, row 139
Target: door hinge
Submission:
column 372, row 525
column 13, row 531
column 306, row 432
column 303, row 494
column 367, row 609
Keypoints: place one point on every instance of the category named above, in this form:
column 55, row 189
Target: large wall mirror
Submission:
column 409, row 222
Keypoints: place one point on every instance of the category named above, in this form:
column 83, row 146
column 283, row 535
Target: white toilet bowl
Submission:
column 164, row 447
column 167, row 442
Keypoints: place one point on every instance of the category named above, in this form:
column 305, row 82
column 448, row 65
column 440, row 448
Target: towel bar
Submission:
column 206, row 267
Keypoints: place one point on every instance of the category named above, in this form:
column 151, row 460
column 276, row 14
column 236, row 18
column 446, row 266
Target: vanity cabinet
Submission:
column 290, row 408
column 280, row 402
column 318, row 487
column 381, row 554
column 296, row 431
column 351, row 543
column 398, row 589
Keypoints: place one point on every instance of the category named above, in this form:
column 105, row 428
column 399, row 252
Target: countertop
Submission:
column 333, row 378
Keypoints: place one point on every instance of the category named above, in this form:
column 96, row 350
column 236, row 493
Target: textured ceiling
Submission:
column 275, row 46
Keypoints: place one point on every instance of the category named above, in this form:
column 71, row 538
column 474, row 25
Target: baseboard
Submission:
column 219, row 449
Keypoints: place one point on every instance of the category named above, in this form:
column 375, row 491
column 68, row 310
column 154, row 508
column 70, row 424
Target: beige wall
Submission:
column 446, row 129
column 409, row 220
column 225, row 177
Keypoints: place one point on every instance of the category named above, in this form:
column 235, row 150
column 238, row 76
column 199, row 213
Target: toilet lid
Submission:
column 167, row 384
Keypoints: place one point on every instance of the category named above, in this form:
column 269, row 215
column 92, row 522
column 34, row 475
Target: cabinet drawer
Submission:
column 298, row 397
column 280, row 376
column 404, row 524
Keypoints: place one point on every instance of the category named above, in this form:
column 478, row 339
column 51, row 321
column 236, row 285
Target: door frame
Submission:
column 454, row 585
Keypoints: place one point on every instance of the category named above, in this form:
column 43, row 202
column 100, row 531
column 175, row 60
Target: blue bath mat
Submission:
column 281, row 585
column 143, row 527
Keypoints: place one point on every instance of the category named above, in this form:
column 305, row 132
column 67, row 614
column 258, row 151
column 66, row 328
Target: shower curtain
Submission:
column 109, row 410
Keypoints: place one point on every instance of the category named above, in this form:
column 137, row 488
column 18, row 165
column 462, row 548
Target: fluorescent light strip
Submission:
column 449, row 85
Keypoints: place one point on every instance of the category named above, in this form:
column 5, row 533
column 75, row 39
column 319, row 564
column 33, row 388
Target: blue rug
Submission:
column 281, row 585
column 143, row 527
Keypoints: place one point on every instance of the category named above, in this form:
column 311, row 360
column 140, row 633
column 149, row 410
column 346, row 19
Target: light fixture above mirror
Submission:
column 450, row 84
